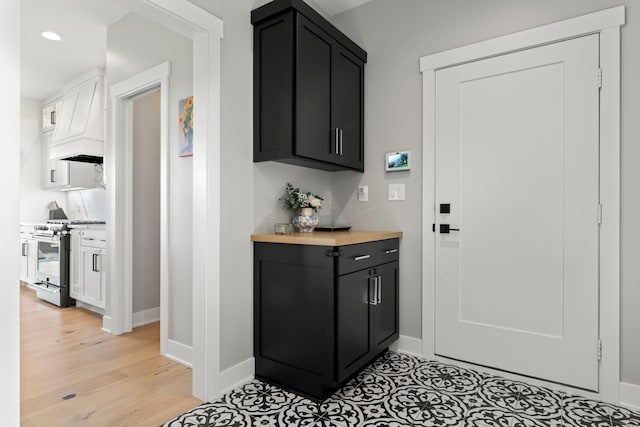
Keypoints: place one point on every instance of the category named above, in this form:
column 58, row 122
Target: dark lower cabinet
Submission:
column 321, row 314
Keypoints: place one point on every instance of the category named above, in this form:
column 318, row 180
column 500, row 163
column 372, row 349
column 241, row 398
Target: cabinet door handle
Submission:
column 53, row 117
column 341, row 142
column 52, row 176
column 379, row 281
column 373, row 298
column 25, row 249
column 390, row 251
column 94, row 267
column 336, row 140
column 361, row 257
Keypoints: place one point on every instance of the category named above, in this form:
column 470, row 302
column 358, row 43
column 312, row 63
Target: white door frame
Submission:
column 205, row 30
column 607, row 24
column 120, row 318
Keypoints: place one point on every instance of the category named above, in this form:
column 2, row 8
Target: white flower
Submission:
column 315, row 202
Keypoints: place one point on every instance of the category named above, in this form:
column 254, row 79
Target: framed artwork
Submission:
column 185, row 127
column 396, row 161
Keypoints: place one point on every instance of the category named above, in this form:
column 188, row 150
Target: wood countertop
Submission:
column 327, row 238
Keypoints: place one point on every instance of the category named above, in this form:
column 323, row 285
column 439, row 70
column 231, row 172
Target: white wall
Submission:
column 33, row 198
column 146, row 202
column 135, row 44
column 9, row 214
column 396, row 34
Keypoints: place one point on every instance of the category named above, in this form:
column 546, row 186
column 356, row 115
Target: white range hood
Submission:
column 79, row 130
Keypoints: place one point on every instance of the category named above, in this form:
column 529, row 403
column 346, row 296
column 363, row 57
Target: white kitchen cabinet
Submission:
column 28, row 260
column 50, row 114
column 64, row 176
column 88, row 264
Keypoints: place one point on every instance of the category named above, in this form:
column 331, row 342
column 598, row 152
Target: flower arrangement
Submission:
column 295, row 199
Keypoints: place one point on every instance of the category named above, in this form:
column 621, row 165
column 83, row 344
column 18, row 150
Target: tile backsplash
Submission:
column 87, row 204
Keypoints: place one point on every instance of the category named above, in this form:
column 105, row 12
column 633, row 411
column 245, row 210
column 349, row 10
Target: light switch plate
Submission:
column 363, row 193
column 396, row 191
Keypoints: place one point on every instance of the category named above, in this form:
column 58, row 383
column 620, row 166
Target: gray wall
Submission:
column 135, row 44
column 396, row 34
column 33, row 199
column 146, row 202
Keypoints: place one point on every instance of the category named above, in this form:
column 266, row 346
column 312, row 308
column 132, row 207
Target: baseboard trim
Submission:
column 237, row 375
column 408, row 345
column 144, row 317
column 107, row 323
column 630, row 396
column 178, row 352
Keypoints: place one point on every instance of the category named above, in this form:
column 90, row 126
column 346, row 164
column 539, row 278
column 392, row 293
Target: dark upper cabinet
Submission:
column 308, row 90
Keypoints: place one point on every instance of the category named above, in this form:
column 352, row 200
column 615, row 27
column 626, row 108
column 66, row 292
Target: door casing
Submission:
column 607, row 24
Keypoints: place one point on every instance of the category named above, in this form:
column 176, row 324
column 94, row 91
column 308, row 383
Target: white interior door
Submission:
column 517, row 160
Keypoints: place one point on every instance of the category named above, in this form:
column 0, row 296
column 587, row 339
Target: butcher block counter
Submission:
column 327, row 238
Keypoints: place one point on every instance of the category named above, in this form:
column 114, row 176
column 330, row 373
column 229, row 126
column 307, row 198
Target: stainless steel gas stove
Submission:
column 52, row 268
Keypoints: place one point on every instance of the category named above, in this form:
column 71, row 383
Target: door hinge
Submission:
column 599, row 350
column 599, row 77
column 599, row 213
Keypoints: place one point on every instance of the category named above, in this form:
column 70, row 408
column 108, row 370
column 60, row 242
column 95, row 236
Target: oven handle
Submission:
column 56, row 290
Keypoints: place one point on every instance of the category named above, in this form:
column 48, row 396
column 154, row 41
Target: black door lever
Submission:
column 445, row 229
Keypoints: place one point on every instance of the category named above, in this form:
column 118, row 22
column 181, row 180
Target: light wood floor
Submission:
column 117, row 381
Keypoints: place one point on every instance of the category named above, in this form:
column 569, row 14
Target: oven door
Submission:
column 48, row 263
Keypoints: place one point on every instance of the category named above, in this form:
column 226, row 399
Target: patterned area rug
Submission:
column 404, row 391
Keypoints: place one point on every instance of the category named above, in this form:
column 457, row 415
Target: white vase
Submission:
column 306, row 220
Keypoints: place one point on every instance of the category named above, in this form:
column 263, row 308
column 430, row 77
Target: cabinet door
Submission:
column 385, row 327
column 353, row 322
column 55, row 173
column 82, row 108
column 313, row 93
column 65, row 114
column 347, row 108
column 92, row 283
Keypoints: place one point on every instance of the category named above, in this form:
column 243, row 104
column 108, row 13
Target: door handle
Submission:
column 336, row 140
column 340, row 142
column 52, row 174
column 25, row 249
column 53, row 117
column 446, row 228
column 390, row 251
column 379, row 281
column 361, row 257
column 94, row 267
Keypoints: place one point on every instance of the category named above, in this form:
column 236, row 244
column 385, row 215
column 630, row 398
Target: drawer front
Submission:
column 366, row 255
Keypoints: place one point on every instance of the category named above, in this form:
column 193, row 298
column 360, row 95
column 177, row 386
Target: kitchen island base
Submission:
column 323, row 313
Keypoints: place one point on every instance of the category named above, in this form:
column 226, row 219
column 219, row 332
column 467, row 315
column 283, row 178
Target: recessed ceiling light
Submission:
column 50, row 35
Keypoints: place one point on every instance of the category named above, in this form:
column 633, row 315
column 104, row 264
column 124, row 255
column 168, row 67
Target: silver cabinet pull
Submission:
column 379, row 281
column 52, row 176
column 337, row 141
column 390, row 251
column 373, row 297
column 25, row 249
column 341, row 142
column 94, row 267
column 361, row 257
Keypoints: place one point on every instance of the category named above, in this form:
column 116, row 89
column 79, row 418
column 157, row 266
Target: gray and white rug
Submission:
column 405, row 391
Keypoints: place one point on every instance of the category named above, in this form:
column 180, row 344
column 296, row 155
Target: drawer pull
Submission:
column 361, row 257
column 390, row 251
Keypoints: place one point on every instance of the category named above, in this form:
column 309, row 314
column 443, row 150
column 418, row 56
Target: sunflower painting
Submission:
column 185, row 126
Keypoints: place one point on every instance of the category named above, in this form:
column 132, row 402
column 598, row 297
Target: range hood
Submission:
column 79, row 131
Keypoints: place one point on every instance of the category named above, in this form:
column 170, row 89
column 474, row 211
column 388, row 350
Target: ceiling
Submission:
column 47, row 65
